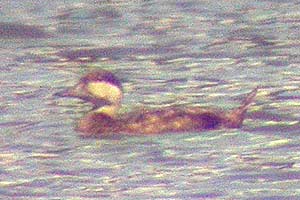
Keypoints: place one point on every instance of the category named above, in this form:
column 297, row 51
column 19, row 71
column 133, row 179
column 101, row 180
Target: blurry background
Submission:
column 207, row 53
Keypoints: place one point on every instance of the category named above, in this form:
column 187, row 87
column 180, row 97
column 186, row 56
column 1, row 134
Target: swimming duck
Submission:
column 104, row 90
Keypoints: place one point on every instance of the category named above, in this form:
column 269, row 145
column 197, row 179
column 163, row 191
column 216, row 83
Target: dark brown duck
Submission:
column 104, row 91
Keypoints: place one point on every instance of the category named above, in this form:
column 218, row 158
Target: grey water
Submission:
column 205, row 53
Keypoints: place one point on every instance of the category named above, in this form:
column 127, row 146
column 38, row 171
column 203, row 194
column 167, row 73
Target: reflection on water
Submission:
column 207, row 53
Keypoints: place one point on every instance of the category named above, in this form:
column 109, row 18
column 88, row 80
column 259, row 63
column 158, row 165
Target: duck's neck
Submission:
column 110, row 110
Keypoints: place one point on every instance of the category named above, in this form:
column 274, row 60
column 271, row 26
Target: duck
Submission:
column 104, row 91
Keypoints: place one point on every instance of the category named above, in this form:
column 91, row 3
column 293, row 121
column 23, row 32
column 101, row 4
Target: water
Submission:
column 206, row 53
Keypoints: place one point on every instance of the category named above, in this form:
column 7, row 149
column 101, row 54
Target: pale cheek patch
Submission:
column 105, row 91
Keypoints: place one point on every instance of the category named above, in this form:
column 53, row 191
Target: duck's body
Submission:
column 157, row 121
column 102, row 86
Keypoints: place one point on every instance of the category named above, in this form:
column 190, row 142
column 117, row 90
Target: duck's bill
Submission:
column 76, row 91
column 71, row 92
column 65, row 93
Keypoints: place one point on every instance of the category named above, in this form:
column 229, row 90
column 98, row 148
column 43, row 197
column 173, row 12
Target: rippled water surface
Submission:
column 208, row 53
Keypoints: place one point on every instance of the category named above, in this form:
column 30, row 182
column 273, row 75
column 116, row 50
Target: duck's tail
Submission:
column 236, row 117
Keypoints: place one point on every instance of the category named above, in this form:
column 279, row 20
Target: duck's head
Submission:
column 101, row 88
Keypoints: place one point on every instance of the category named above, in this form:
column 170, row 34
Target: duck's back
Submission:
column 172, row 119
